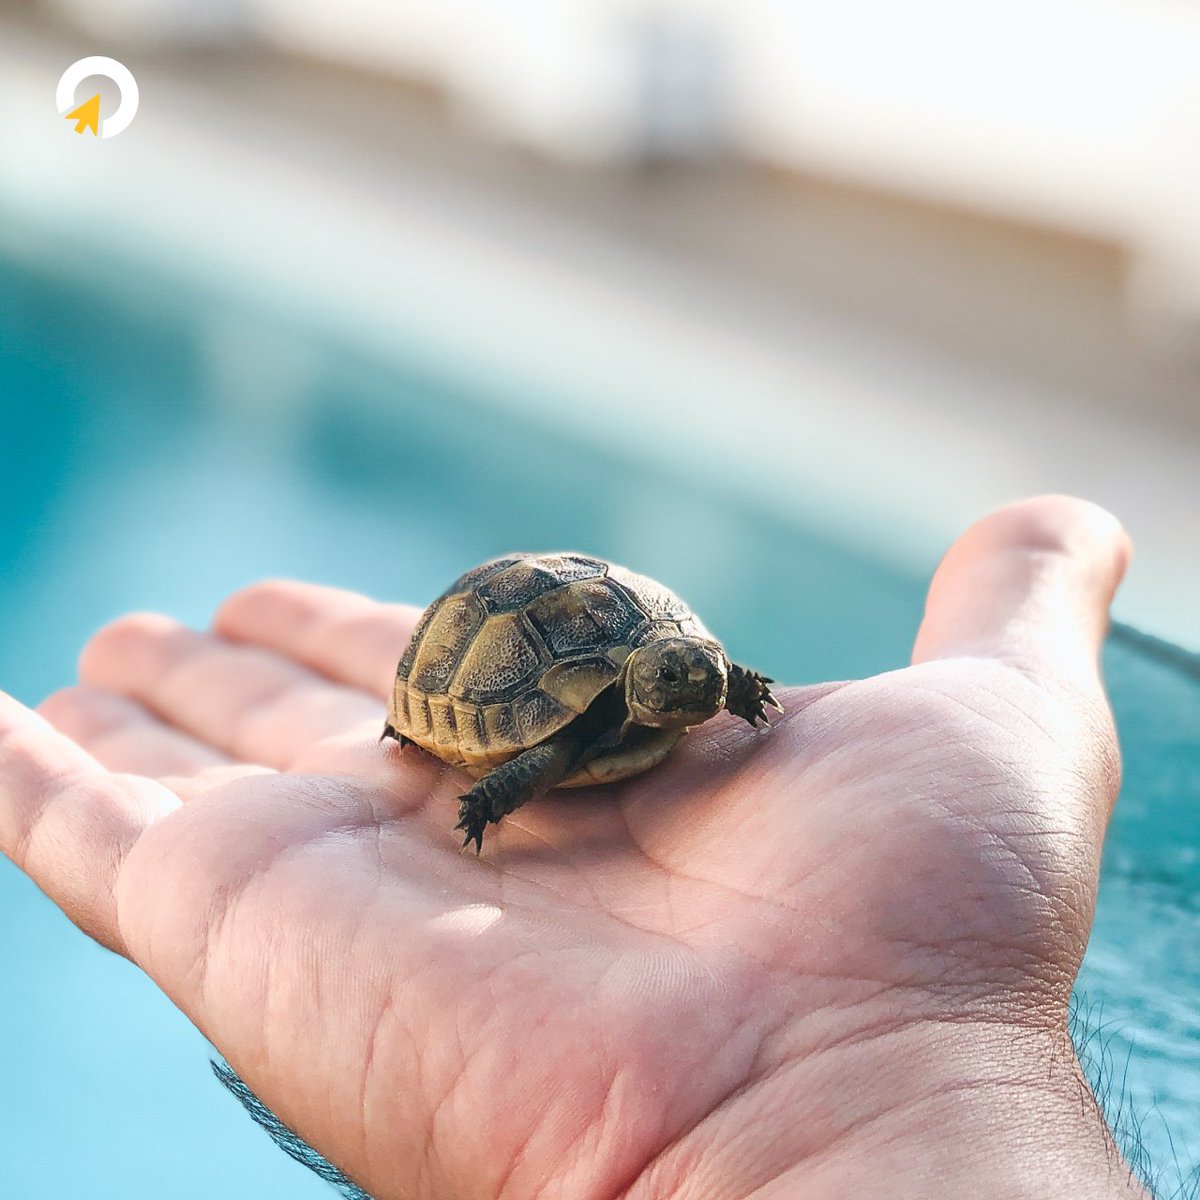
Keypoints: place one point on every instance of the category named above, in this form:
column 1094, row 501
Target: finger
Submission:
column 246, row 701
column 122, row 735
column 343, row 635
column 66, row 822
column 1030, row 584
column 188, row 787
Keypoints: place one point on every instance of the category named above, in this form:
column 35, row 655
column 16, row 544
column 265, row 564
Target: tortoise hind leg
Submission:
column 390, row 731
column 749, row 694
column 514, row 783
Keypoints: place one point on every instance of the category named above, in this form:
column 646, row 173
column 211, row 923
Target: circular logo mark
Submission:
column 87, row 114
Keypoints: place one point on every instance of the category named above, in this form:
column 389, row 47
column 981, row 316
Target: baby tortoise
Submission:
column 558, row 670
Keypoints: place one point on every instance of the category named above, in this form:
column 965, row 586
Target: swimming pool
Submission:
column 161, row 447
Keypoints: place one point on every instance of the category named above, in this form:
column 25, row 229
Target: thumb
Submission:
column 1029, row 584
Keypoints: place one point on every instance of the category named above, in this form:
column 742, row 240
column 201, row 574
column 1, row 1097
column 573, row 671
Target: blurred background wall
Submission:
column 1077, row 115
column 932, row 256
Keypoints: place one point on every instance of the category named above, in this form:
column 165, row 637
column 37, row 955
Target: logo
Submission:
column 87, row 114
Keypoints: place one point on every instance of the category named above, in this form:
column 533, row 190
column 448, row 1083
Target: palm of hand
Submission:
column 609, row 974
column 564, row 1013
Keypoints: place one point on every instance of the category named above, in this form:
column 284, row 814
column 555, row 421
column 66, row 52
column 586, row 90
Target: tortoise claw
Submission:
column 471, row 822
column 766, row 696
column 748, row 696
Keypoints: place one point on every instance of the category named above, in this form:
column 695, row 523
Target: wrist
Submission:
column 933, row 1109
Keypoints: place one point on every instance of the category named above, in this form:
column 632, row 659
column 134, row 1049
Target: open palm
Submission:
column 635, row 982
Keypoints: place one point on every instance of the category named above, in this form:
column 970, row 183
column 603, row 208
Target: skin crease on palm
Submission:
column 829, row 957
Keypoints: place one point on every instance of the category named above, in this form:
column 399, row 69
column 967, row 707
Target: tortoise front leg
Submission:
column 516, row 782
column 748, row 695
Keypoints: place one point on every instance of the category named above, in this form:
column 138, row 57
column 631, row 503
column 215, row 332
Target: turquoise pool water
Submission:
column 159, row 448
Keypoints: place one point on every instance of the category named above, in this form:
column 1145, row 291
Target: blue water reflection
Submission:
column 160, row 449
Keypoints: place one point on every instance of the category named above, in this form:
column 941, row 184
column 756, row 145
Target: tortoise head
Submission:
column 675, row 682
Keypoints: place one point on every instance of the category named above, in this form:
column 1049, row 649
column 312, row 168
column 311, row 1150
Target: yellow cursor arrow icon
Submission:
column 86, row 116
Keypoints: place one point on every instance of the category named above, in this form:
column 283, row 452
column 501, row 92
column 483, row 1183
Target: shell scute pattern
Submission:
column 656, row 601
column 536, row 712
column 450, row 631
column 588, row 614
column 503, row 659
column 519, row 584
column 567, row 568
column 404, row 670
column 443, row 721
column 521, row 645
column 419, row 726
column 472, row 736
column 577, row 683
column 500, row 727
column 476, row 575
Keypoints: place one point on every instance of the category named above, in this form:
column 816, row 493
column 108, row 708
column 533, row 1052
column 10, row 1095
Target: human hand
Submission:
column 833, row 957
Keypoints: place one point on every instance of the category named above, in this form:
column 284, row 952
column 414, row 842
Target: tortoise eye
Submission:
column 667, row 674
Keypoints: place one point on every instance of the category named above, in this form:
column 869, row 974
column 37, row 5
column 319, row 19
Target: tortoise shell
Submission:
column 519, row 647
